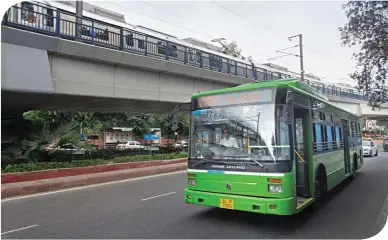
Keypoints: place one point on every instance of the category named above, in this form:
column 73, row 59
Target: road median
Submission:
column 19, row 184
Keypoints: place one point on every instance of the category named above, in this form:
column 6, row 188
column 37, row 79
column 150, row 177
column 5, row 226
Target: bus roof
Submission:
column 295, row 84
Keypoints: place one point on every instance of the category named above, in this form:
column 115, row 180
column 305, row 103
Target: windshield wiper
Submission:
column 213, row 161
column 260, row 164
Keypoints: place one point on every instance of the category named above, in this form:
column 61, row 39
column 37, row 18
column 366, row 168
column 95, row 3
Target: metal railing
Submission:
column 55, row 22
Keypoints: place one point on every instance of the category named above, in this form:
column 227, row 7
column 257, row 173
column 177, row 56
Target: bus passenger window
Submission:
column 334, row 134
column 329, row 137
column 318, row 137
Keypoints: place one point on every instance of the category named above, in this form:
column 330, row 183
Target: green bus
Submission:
column 269, row 147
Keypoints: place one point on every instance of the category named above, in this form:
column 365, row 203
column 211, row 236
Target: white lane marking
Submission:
column 19, row 229
column 161, row 195
column 90, row 186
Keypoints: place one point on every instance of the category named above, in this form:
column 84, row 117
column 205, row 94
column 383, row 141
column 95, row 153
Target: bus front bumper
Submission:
column 277, row 206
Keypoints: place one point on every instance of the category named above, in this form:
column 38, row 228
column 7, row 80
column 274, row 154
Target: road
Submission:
column 154, row 208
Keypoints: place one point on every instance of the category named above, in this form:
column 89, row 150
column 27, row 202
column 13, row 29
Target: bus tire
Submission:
column 354, row 167
column 320, row 188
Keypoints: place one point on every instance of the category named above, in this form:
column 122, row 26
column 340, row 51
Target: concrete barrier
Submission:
column 66, row 172
column 51, row 184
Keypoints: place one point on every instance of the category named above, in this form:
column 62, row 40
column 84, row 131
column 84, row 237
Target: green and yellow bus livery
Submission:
column 268, row 147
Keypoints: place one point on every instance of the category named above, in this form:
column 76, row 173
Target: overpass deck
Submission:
column 63, row 25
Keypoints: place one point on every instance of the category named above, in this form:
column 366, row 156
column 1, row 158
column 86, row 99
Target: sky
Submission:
column 259, row 28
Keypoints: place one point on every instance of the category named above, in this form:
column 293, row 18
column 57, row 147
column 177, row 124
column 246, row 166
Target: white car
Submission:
column 129, row 145
column 369, row 148
column 181, row 144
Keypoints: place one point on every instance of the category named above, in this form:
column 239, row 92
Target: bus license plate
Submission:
column 227, row 203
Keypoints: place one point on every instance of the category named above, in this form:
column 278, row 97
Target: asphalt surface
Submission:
column 133, row 209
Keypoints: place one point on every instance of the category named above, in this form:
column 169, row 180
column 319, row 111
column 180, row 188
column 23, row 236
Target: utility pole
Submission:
column 300, row 54
column 79, row 5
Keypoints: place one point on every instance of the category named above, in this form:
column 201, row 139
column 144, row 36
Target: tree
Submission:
column 367, row 27
column 66, row 133
column 140, row 123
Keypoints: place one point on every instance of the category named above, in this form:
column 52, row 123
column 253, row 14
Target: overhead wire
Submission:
column 278, row 34
column 196, row 22
column 159, row 19
column 176, row 25
column 249, row 20
column 304, row 45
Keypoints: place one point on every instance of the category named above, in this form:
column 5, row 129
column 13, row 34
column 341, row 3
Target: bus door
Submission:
column 345, row 137
column 301, row 154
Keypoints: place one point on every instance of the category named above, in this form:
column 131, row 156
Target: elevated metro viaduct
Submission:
column 49, row 73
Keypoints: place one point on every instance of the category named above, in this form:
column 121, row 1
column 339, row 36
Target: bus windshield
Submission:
column 243, row 133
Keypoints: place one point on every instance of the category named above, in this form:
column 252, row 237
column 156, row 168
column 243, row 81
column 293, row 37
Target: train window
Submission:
column 215, row 61
column 198, row 56
column 28, row 12
column 49, row 17
column 190, row 55
column 129, row 40
column 161, row 48
column 173, row 50
column 140, row 43
column 85, row 31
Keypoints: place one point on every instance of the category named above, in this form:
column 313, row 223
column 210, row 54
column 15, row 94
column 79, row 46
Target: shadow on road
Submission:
column 282, row 225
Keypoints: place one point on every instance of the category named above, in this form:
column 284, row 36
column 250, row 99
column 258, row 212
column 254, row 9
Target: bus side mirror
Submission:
column 289, row 97
column 175, row 118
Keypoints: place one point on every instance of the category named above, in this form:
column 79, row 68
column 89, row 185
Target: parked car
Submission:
column 130, row 145
column 181, row 144
column 68, row 148
column 369, row 148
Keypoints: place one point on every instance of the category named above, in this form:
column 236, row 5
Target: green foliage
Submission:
column 97, row 122
column 38, row 117
column 367, row 28
column 165, row 123
column 66, row 133
column 28, row 167
column 11, row 155
column 141, row 123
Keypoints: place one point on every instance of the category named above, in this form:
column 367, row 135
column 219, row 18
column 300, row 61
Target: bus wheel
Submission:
column 354, row 167
column 320, row 189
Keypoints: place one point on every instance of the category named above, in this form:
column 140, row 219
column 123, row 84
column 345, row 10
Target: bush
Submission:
column 28, row 167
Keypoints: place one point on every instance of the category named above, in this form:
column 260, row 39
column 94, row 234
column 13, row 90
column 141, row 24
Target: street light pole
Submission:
column 300, row 54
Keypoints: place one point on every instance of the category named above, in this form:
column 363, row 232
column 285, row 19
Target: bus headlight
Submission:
column 192, row 182
column 275, row 188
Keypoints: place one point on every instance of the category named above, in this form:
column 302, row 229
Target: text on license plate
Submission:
column 226, row 203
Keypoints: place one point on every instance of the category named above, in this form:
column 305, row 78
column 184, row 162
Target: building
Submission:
column 113, row 136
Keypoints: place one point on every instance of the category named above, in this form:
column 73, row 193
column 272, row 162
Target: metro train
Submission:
column 105, row 27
